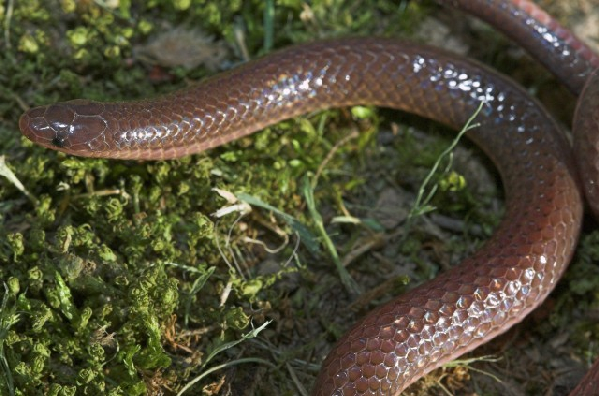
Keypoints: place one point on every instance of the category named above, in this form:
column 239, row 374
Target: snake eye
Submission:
column 58, row 142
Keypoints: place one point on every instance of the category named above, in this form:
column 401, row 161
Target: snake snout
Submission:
column 70, row 127
column 35, row 127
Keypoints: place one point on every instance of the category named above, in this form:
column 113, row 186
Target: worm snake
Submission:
column 464, row 307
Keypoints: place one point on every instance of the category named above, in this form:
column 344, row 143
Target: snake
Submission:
column 545, row 184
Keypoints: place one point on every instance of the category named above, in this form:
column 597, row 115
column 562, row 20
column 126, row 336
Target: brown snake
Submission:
column 459, row 310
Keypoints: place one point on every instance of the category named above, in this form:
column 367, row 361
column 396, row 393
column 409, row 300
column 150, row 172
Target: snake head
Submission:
column 76, row 127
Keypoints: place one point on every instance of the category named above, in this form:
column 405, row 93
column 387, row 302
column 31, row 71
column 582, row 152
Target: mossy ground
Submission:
column 118, row 279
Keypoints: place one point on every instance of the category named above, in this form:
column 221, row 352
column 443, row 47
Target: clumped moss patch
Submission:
column 117, row 277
